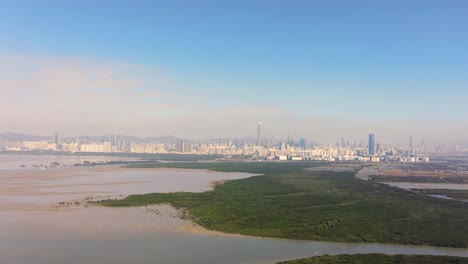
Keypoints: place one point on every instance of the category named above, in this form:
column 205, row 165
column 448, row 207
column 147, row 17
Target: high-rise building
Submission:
column 303, row 143
column 119, row 143
column 188, row 148
column 411, row 142
column 179, row 146
column 57, row 141
column 371, row 144
column 259, row 131
column 114, row 139
column 183, row 147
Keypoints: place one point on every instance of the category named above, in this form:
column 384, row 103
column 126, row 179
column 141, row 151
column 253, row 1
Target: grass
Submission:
column 290, row 202
column 379, row 258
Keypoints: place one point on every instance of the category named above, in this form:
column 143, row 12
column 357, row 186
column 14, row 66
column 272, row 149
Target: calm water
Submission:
column 183, row 248
column 31, row 234
column 417, row 185
column 14, row 162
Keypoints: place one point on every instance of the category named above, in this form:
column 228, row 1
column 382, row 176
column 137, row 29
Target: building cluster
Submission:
column 259, row 148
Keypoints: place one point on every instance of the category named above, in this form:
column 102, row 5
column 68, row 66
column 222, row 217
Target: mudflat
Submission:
column 57, row 202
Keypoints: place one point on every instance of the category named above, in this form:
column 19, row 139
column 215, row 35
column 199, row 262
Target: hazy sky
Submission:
column 317, row 69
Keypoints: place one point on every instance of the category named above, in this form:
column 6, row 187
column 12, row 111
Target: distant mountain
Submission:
column 87, row 138
column 246, row 140
column 12, row 136
column 132, row 139
column 163, row 139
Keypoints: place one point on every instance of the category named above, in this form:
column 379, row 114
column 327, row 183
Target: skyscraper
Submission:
column 179, row 146
column 303, row 143
column 411, row 142
column 259, row 130
column 114, row 139
column 56, row 139
column 371, row 144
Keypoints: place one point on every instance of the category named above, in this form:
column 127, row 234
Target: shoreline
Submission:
column 141, row 217
column 43, row 198
column 129, row 230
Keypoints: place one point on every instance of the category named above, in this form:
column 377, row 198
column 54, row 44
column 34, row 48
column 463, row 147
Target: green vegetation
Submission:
column 290, row 202
column 379, row 258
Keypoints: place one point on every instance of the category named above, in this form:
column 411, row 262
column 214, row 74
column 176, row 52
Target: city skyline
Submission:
column 318, row 70
column 257, row 140
column 233, row 131
column 255, row 149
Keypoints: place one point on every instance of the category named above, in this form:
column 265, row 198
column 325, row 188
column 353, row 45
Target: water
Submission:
column 440, row 196
column 416, row 186
column 185, row 248
column 15, row 162
column 32, row 230
column 419, row 185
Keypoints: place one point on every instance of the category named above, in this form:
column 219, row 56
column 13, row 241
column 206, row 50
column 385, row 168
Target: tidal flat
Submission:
column 46, row 217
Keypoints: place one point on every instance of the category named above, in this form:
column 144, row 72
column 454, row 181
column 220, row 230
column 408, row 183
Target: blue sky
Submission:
column 354, row 65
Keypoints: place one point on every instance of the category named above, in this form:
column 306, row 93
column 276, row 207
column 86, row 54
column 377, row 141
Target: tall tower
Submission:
column 56, row 139
column 114, row 139
column 411, row 142
column 303, row 143
column 371, row 144
column 259, row 131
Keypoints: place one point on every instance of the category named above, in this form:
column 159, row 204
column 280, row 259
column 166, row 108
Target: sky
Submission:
column 210, row 69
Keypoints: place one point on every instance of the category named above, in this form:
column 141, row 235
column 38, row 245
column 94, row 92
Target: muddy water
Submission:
column 49, row 186
column 25, row 162
column 35, row 228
